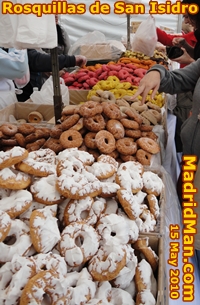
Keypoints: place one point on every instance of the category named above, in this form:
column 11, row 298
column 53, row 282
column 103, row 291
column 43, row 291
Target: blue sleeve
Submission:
column 13, row 64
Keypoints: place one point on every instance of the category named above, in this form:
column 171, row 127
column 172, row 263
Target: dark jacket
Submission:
column 41, row 62
column 197, row 46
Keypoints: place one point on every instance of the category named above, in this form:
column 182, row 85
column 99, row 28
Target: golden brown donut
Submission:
column 90, row 109
column 133, row 133
column 71, row 138
column 126, row 146
column 53, row 144
column 148, row 145
column 149, row 134
column 127, row 158
column 35, row 117
column 146, row 127
column 95, row 123
column 56, row 131
column 112, row 111
column 90, row 141
column 70, row 121
column 20, row 139
column 143, row 157
column 26, row 129
column 105, row 141
column 116, row 128
column 9, row 129
column 130, row 124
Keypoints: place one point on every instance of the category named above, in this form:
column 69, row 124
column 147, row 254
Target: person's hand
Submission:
column 81, row 60
column 178, row 42
column 184, row 59
column 151, row 81
column 61, row 72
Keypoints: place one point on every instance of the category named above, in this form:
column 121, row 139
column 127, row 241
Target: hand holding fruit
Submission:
column 81, row 60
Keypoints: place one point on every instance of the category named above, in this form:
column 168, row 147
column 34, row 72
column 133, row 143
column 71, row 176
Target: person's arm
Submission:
column 158, row 78
column 41, row 62
column 164, row 38
column 13, row 64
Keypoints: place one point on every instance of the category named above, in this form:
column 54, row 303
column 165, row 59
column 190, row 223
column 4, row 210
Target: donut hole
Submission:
column 46, row 300
column 10, row 240
column 84, row 215
column 70, row 138
column 113, row 233
column 79, row 240
column 106, row 141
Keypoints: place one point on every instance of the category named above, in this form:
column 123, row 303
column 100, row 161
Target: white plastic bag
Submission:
column 45, row 95
column 145, row 38
column 94, row 46
column 26, row 31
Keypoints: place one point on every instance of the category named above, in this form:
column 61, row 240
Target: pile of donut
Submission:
column 69, row 229
column 24, row 135
column 107, row 128
column 104, row 128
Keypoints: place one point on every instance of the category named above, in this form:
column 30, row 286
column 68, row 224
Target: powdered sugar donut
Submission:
column 111, row 206
column 46, row 282
column 121, row 297
column 129, row 176
column 101, row 170
column 81, row 286
column 79, row 242
column 14, row 276
column 108, row 160
column 146, row 222
column 13, row 179
column 113, row 230
column 44, row 190
column 12, row 156
column 142, row 244
column 78, row 185
column 40, row 163
column 103, row 291
column 145, row 297
column 25, row 217
column 85, row 210
column 106, row 264
column 16, row 203
column 144, row 278
column 67, row 166
column 99, row 206
column 109, row 189
column 126, row 275
column 50, row 261
column 152, row 183
column 44, row 230
column 80, row 211
column 23, row 242
column 5, row 225
column 133, row 228
column 153, row 205
column 132, row 204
